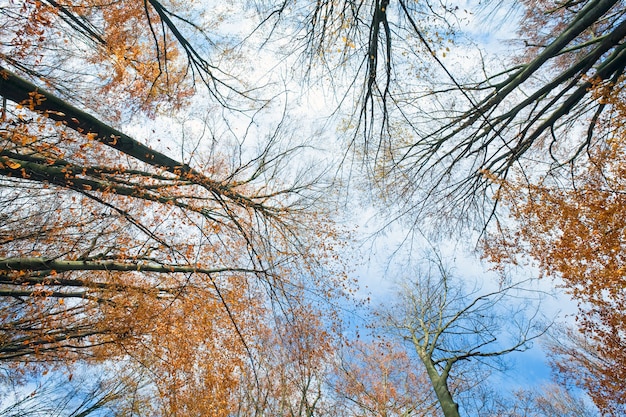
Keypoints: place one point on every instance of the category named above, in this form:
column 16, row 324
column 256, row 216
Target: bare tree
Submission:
column 90, row 391
column 545, row 400
column 455, row 332
column 436, row 138
column 111, row 249
column 528, row 115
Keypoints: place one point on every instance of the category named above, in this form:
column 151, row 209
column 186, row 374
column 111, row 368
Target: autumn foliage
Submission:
column 379, row 378
column 112, row 251
column 212, row 273
column 572, row 224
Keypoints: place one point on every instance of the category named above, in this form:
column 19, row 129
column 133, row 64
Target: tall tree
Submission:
column 110, row 249
column 105, row 256
column 433, row 135
column 572, row 225
column 453, row 331
column 532, row 114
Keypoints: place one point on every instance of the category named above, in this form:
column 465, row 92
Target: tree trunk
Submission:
column 440, row 383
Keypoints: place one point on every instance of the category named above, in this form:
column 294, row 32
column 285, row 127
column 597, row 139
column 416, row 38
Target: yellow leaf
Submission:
column 12, row 164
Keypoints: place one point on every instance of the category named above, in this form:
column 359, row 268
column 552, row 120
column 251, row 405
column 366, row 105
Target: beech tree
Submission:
column 110, row 249
column 105, row 256
column 530, row 112
column 575, row 236
column 453, row 331
column 432, row 134
column 378, row 378
column 573, row 227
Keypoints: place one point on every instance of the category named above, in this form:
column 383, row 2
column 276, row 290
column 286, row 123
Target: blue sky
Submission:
column 310, row 107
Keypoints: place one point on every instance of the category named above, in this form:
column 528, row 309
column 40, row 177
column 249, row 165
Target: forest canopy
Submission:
column 182, row 185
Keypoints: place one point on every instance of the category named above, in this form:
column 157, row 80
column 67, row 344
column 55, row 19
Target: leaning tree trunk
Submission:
column 440, row 383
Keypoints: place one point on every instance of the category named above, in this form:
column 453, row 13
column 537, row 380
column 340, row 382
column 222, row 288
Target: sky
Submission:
column 311, row 106
column 485, row 33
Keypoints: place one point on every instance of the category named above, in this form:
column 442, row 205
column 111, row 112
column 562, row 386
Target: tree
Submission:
column 573, row 228
column 453, row 331
column 433, row 137
column 112, row 250
column 377, row 378
column 581, row 360
column 529, row 112
column 141, row 256
column 371, row 51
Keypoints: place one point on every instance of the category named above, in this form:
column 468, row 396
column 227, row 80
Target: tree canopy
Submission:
column 211, row 259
